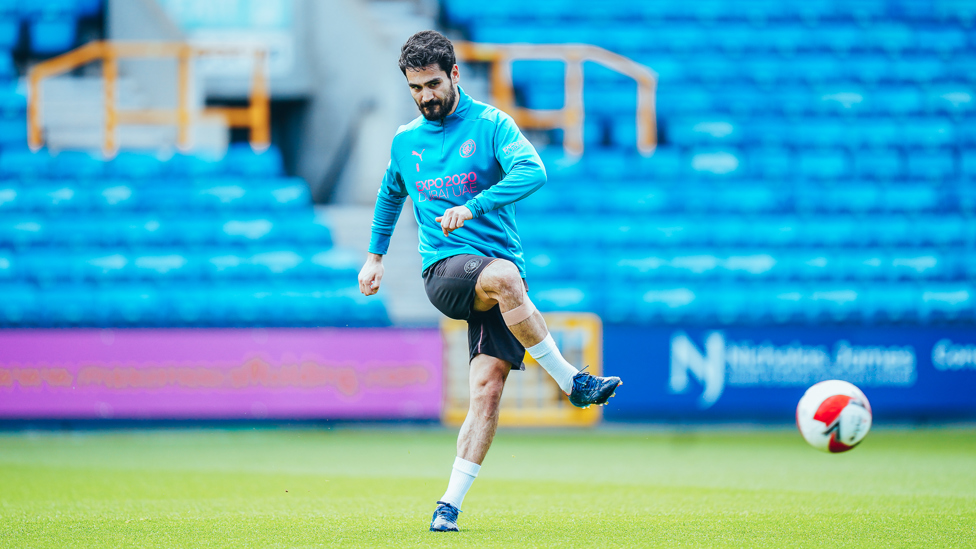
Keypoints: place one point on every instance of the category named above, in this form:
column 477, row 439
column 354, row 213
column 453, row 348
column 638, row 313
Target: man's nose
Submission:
column 427, row 95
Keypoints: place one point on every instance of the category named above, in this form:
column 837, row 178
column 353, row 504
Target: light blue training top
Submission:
column 476, row 157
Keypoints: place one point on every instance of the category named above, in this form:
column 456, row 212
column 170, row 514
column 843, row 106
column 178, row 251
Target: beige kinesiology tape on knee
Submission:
column 520, row 313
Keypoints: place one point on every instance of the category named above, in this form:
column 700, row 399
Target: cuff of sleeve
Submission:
column 474, row 207
column 379, row 246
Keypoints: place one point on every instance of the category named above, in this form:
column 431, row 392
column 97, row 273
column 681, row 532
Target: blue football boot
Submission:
column 445, row 518
column 588, row 389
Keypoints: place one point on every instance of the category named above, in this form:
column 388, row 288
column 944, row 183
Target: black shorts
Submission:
column 450, row 287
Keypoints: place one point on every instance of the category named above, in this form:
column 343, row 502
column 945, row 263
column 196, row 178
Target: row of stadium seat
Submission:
column 847, row 102
column 52, row 24
column 768, row 162
column 621, row 268
column 633, row 39
column 21, row 231
column 169, row 264
column 589, row 232
column 225, row 194
column 765, row 303
column 239, row 160
column 465, row 12
column 767, row 70
column 746, row 197
column 208, row 304
column 925, row 137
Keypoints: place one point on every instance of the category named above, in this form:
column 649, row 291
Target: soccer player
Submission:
column 465, row 164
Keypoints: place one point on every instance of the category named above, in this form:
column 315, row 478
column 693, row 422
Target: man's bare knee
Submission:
column 502, row 281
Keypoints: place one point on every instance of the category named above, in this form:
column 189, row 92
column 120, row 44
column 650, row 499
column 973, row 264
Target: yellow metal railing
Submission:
column 570, row 117
column 255, row 116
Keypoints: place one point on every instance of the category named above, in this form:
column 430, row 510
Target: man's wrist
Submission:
column 374, row 258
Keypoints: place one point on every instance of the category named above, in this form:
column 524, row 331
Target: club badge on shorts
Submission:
column 467, row 149
column 472, row 265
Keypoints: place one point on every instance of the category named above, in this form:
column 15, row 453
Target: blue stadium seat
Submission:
column 780, row 302
column 946, row 301
column 52, row 35
column 9, row 24
column 717, row 163
column 951, row 99
column 928, row 132
column 23, row 163
column 941, row 39
column 835, row 302
column 8, row 266
column 165, row 265
column 844, row 99
column 130, row 305
column 918, row 265
column 823, row 164
column 831, row 232
column 13, row 198
column 21, row 231
column 242, row 160
column 136, row 165
column 911, row 198
column 876, row 132
column 553, row 297
column 838, row 38
column 336, row 264
column 891, row 302
column 842, row 197
column 934, row 165
column 696, row 131
column 878, row 164
column 892, row 38
column 895, row 100
column 18, row 305
column 867, row 68
column 655, row 303
column 68, row 305
column 941, row 230
column 88, row 8
column 919, row 69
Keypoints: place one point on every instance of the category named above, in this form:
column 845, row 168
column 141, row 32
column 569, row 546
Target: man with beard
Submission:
column 465, row 164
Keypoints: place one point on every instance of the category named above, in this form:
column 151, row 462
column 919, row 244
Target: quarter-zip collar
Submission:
column 464, row 103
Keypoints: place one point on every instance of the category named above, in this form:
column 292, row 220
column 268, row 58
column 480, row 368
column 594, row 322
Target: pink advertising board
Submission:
column 334, row 373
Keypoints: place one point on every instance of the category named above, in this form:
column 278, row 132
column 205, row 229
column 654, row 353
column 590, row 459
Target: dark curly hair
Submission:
column 427, row 48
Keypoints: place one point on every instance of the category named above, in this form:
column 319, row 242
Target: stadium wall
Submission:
column 759, row 373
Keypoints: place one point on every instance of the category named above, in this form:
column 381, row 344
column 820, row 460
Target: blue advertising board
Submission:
column 760, row 373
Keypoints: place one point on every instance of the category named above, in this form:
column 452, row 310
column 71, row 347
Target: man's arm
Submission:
column 524, row 172
column 389, row 204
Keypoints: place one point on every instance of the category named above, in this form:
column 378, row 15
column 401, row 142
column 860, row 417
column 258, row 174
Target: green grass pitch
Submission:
column 581, row 488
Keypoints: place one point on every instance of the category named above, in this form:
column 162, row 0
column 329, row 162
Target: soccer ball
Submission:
column 833, row 416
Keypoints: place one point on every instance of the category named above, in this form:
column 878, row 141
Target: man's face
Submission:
column 434, row 90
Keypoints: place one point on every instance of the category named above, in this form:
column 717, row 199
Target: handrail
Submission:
column 570, row 117
column 255, row 116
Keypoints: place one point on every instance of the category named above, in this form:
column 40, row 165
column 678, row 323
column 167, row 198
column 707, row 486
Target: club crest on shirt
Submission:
column 467, row 149
column 471, row 265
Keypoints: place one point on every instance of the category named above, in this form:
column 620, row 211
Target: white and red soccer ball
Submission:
column 833, row 416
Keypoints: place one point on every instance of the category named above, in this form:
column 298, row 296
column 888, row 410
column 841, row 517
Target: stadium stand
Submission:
column 816, row 161
column 149, row 240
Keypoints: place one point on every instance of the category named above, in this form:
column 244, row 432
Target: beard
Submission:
column 437, row 110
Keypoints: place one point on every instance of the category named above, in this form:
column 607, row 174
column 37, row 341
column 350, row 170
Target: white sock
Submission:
column 547, row 354
column 462, row 477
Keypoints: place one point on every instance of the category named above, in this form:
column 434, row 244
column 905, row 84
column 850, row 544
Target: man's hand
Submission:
column 454, row 218
column 371, row 274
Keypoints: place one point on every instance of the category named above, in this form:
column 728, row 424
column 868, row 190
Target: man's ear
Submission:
column 455, row 75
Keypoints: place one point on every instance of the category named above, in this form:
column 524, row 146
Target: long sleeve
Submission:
column 524, row 172
column 389, row 203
